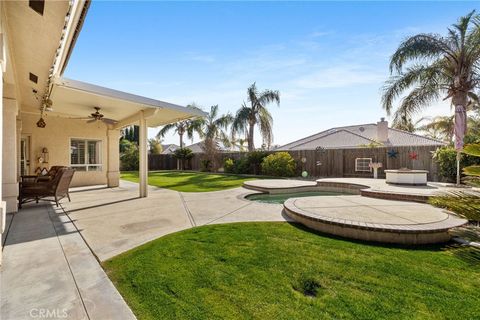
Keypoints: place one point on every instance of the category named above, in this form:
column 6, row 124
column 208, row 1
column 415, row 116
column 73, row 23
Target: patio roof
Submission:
column 72, row 98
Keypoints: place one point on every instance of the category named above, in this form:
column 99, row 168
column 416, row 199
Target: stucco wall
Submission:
column 56, row 138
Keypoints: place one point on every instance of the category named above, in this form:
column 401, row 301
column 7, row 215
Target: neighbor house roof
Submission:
column 356, row 136
column 169, row 148
column 199, row 147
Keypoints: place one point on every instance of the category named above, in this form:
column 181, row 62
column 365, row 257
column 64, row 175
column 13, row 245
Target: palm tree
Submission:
column 431, row 66
column 213, row 129
column 188, row 127
column 238, row 143
column 256, row 113
column 441, row 127
column 406, row 123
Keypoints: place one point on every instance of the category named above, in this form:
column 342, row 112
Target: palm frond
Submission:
column 165, row 129
column 269, row 96
column 419, row 98
column 252, row 94
column 414, row 75
column 421, row 46
column 240, row 122
column 266, row 123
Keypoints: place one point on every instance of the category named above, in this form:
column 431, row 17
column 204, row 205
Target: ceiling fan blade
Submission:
column 84, row 118
column 109, row 121
column 91, row 120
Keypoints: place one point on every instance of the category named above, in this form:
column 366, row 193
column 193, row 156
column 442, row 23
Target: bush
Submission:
column 464, row 203
column 228, row 165
column 279, row 164
column 129, row 157
column 206, row 165
column 242, row 166
column 447, row 162
column 183, row 155
column 254, row 160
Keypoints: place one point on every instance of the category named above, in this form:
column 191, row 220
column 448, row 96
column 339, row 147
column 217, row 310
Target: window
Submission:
column 363, row 164
column 85, row 155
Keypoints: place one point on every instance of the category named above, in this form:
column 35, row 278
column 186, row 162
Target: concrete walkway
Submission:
column 115, row 220
column 49, row 272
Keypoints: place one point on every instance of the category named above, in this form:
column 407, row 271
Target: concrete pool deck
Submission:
column 367, row 215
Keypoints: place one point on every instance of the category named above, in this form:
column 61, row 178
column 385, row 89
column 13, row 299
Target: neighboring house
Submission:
column 199, row 147
column 169, row 148
column 361, row 135
column 36, row 41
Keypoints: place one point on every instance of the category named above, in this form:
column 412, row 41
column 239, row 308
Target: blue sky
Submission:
column 327, row 59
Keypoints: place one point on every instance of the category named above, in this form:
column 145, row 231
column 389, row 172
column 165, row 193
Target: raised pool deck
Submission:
column 375, row 211
column 373, row 188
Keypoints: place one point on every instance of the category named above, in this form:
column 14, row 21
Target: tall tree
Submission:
column 188, row 127
column 214, row 128
column 256, row 112
column 441, row 127
column 406, row 123
column 431, row 66
column 155, row 146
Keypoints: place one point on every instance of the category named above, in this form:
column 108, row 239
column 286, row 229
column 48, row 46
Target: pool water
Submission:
column 280, row 198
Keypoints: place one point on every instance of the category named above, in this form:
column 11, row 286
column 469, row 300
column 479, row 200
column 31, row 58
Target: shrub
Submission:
column 206, row 165
column 129, row 157
column 279, row 164
column 464, row 203
column 183, row 155
column 242, row 166
column 229, row 165
column 447, row 162
column 255, row 159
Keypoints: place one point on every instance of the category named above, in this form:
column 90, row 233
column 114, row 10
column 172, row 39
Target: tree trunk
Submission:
column 460, row 101
column 180, row 161
column 251, row 144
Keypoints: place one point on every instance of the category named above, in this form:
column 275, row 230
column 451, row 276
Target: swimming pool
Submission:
column 280, row 198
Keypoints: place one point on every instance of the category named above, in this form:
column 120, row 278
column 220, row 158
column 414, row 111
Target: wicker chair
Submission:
column 32, row 179
column 56, row 188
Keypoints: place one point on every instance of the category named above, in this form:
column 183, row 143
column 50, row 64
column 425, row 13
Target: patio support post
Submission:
column 113, row 163
column 143, row 170
column 9, row 155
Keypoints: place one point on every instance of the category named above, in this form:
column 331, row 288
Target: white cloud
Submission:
column 339, row 76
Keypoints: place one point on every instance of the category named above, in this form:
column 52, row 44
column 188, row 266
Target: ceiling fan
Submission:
column 97, row 116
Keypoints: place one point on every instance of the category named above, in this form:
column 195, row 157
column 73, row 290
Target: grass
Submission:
column 189, row 181
column 282, row 271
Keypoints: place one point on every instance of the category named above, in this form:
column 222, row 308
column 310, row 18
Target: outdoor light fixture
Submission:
column 41, row 123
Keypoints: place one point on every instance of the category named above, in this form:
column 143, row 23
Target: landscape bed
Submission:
column 283, row 271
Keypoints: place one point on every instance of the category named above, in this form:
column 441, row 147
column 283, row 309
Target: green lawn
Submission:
column 282, row 271
column 189, row 181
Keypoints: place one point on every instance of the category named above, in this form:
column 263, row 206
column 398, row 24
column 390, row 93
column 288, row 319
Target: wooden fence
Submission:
column 331, row 162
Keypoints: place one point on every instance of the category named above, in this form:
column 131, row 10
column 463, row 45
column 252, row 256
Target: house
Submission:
column 49, row 120
column 199, row 147
column 169, row 148
column 360, row 135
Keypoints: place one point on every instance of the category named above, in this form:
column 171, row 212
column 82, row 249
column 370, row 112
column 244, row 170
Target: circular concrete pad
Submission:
column 372, row 219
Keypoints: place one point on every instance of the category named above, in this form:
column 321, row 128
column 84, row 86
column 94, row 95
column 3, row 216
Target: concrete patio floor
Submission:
column 115, row 220
column 48, row 271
